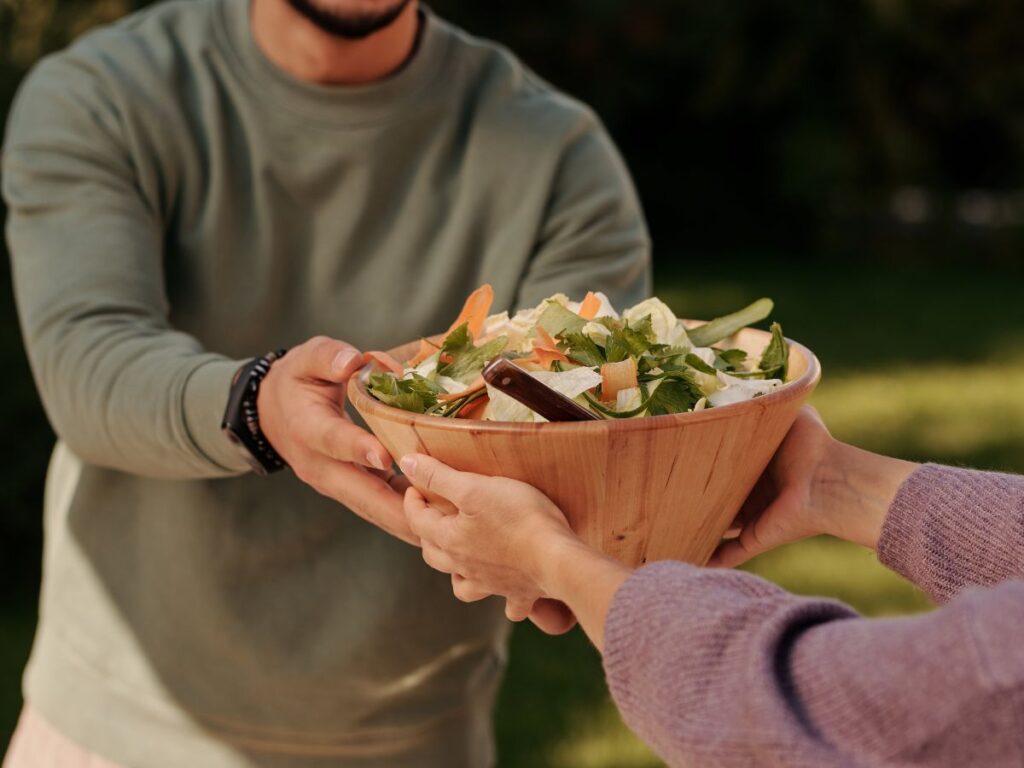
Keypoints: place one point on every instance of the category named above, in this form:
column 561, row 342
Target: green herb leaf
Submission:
column 677, row 393
column 415, row 394
column 581, row 349
column 775, row 358
column 645, row 327
column 629, row 341
column 724, row 327
column 556, row 320
column 467, row 363
column 695, row 362
column 729, row 360
column 457, row 341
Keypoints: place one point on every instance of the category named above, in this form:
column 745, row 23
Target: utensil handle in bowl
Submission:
column 507, row 377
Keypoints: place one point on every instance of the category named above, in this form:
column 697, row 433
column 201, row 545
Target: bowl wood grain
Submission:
column 654, row 488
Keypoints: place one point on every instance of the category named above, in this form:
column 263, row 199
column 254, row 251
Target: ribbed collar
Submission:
column 351, row 105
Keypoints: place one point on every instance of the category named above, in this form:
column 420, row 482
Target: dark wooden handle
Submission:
column 507, row 377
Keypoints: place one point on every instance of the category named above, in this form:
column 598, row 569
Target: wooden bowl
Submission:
column 654, row 488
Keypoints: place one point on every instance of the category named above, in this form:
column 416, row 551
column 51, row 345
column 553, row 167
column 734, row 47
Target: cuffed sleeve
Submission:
column 951, row 528
column 719, row 668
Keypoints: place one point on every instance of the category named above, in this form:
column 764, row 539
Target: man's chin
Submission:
column 350, row 25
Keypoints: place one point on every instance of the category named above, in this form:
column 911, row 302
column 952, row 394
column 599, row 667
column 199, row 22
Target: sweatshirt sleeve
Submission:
column 121, row 387
column 721, row 668
column 593, row 237
column 950, row 528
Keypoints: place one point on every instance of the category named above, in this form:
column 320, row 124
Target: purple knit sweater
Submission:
column 721, row 668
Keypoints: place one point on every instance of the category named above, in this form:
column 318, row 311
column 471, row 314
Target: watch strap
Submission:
column 241, row 418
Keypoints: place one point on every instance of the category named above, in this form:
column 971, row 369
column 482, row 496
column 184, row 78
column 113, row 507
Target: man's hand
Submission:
column 301, row 409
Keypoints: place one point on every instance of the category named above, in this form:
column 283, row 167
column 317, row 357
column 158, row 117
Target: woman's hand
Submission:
column 497, row 536
column 504, row 537
column 497, row 541
column 815, row 485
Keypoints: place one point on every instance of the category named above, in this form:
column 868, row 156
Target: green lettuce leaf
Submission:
column 556, row 320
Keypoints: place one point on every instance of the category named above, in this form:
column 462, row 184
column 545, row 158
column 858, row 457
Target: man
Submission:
column 190, row 188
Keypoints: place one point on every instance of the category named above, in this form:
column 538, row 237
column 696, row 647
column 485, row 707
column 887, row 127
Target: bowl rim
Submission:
column 800, row 388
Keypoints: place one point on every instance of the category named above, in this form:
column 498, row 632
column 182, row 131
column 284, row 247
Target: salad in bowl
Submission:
column 638, row 362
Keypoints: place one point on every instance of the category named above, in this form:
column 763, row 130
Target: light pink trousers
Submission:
column 37, row 744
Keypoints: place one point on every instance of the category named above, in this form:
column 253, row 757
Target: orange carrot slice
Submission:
column 475, row 410
column 546, row 357
column 590, row 306
column 426, row 350
column 475, row 310
column 476, row 386
column 617, row 376
column 385, row 361
column 544, row 339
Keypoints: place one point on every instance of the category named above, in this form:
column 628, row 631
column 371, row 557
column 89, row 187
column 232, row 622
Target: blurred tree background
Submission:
column 860, row 161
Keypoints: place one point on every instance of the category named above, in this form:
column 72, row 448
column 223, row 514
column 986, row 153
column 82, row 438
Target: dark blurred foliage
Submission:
column 856, row 129
column 886, row 127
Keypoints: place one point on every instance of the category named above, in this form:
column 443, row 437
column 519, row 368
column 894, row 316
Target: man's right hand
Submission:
column 301, row 408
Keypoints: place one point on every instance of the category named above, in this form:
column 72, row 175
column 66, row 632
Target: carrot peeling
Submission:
column 590, row 307
column 546, row 357
column 385, row 361
column 475, row 310
column 426, row 350
column 544, row 339
column 474, row 410
column 478, row 385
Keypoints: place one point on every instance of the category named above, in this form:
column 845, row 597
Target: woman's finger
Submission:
column 466, row 590
column 437, row 558
column 518, row 608
column 425, row 520
column 756, row 538
column 429, row 474
column 552, row 617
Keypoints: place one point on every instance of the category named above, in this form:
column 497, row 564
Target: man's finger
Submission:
column 326, row 359
column 429, row 474
column 367, row 495
column 342, row 440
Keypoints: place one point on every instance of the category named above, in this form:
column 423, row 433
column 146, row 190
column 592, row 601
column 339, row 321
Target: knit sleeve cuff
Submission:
column 628, row 640
column 948, row 528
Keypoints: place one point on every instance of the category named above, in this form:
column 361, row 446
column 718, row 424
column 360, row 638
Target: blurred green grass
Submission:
column 926, row 365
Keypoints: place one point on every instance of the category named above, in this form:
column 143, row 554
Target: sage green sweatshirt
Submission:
column 177, row 205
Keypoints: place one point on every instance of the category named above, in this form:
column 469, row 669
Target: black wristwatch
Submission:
column 241, row 422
